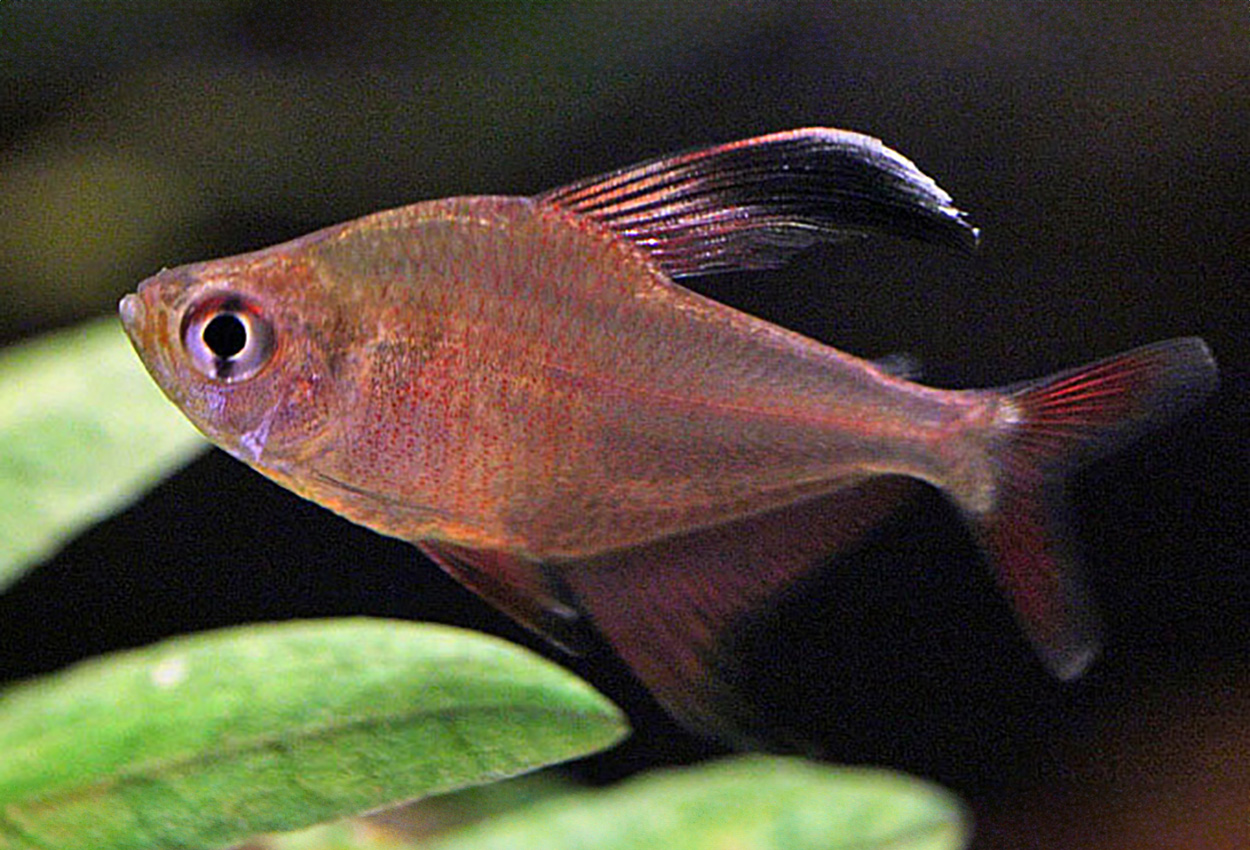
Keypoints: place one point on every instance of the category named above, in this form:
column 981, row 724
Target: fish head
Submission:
column 248, row 348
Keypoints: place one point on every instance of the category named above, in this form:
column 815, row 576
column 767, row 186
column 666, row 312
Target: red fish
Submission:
column 517, row 386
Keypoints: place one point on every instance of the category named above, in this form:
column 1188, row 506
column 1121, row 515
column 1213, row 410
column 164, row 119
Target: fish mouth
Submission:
column 131, row 311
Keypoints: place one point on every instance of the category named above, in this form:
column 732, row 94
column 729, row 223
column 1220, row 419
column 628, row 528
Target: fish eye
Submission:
column 227, row 338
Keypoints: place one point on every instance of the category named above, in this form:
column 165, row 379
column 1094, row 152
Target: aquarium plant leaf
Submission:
column 83, row 431
column 413, row 826
column 749, row 803
column 202, row 741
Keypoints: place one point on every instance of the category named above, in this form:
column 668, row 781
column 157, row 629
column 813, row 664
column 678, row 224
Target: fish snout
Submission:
column 146, row 321
column 146, row 312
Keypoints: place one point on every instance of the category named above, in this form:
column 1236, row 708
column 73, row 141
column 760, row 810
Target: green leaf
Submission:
column 415, row 825
column 750, row 803
column 202, row 741
column 83, row 431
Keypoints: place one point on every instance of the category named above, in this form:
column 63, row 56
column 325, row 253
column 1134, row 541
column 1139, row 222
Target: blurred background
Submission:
column 1102, row 148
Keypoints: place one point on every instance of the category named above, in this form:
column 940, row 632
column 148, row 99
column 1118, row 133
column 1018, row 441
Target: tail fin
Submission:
column 1052, row 426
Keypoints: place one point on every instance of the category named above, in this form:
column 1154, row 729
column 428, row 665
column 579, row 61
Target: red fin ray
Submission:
column 1058, row 423
column 753, row 204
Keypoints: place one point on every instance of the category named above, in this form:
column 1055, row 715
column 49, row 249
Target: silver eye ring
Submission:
column 227, row 338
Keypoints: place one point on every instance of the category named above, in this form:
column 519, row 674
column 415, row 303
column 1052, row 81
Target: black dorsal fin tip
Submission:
column 754, row 203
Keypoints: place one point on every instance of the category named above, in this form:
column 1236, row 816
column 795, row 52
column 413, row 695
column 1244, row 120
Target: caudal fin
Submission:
column 1052, row 426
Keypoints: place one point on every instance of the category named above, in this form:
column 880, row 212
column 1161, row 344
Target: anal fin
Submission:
column 668, row 608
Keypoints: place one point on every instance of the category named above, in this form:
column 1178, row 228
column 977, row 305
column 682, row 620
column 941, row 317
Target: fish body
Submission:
column 518, row 386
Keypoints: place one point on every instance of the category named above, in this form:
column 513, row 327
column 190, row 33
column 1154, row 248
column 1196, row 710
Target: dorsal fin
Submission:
column 753, row 204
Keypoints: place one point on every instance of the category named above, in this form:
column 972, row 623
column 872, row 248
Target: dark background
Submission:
column 1101, row 147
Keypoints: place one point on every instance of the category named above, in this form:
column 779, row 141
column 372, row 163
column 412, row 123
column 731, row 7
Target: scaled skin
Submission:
column 514, row 377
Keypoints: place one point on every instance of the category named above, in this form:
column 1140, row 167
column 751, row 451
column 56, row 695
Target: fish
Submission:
column 519, row 387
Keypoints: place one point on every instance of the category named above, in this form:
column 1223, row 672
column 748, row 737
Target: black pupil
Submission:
column 225, row 335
